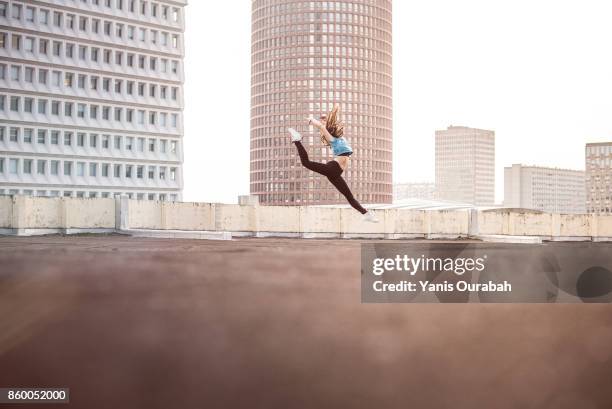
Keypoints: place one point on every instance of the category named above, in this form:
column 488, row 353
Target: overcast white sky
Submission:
column 539, row 73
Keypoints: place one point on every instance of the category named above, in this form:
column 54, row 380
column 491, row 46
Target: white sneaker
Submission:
column 295, row 135
column 369, row 217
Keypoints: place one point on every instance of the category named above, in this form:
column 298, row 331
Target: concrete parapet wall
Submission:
column 320, row 220
column 405, row 222
column 6, row 212
column 89, row 213
column 576, row 225
column 235, row 218
column 188, row 216
column 37, row 215
column 152, row 215
column 602, row 225
column 143, row 214
column 40, row 213
column 447, row 223
column 278, row 219
column 529, row 224
column 493, row 222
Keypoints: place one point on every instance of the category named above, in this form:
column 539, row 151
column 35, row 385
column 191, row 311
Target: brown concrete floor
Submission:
column 275, row 323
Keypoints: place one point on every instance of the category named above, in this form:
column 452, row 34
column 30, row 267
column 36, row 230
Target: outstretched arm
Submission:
column 317, row 124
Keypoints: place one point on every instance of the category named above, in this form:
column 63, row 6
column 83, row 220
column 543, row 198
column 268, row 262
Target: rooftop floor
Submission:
column 275, row 323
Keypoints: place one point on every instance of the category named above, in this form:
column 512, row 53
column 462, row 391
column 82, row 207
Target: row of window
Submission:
column 96, row 26
column 57, row 48
column 143, row 7
column 92, row 169
column 259, row 118
column 599, row 150
column 270, row 62
column 91, row 140
column 352, row 30
column 294, row 18
column 317, row 34
column 266, row 8
column 91, row 111
column 68, row 80
column 93, row 194
column 279, row 78
column 315, row 198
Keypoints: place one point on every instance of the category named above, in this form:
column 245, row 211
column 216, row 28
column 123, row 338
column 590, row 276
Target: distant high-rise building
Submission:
column 465, row 165
column 402, row 191
column 91, row 98
column 598, row 165
column 307, row 56
column 547, row 189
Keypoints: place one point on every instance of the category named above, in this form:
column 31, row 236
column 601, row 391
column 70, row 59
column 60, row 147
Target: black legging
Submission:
column 333, row 171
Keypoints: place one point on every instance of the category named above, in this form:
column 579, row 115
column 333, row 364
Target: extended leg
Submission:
column 343, row 188
column 308, row 164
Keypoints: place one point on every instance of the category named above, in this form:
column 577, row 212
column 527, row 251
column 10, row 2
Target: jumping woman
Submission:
column 331, row 130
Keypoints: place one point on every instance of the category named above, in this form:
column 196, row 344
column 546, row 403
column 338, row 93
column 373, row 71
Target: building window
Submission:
column 29, row 14
column 13, row 166
column 43, row 16
column 42, row 76
column 29, row 74
column 27, row 135
column 15, row 102
column 70, row 21
column 43, row 46
column 29, row 44
column 81, row 139
column 28, row 104
column 16, row 11
column 67, row 138
column 40, row 167
column 42, row 136
column 27, row 166
column 15, row 73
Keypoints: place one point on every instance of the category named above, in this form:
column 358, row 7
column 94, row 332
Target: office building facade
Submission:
column 549, row 190
column 465, row 165
column 598, row 166
column 91, row 98
column 306, row 57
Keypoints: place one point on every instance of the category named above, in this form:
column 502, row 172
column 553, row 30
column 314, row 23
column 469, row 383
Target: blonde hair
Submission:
column 333, row 125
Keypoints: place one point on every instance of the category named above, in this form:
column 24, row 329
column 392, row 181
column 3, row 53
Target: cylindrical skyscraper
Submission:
column 307, row 56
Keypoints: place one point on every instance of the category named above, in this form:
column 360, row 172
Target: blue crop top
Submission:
column 340, row 146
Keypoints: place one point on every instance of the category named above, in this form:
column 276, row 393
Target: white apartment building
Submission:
column 598, row 162
column 91, row 98
column 550, row 190
column 465, row 165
